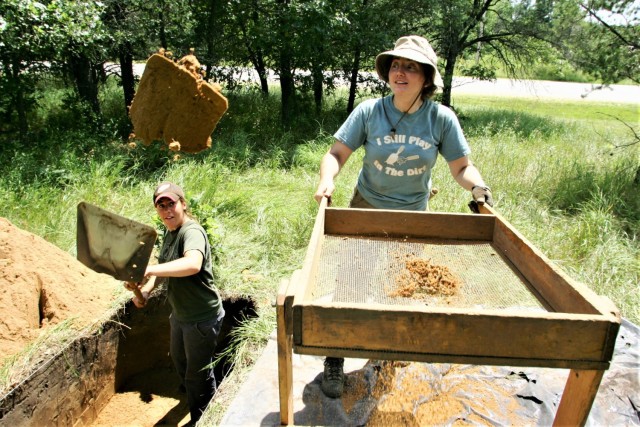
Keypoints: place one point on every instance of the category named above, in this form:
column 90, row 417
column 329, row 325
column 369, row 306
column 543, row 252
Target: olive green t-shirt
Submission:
column 192, row 298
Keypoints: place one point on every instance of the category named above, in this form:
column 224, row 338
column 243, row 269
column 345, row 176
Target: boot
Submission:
column 333, row 377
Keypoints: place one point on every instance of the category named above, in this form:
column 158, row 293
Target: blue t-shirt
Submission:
column 396, row 170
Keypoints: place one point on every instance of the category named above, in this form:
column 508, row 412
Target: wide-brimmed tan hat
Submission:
column 415, row 48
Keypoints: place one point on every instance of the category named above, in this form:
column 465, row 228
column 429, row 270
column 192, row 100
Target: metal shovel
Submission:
column 112, row 244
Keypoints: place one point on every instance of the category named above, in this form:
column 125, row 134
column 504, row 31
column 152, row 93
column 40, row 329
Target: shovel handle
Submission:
column 139, row 295
column 137, row 292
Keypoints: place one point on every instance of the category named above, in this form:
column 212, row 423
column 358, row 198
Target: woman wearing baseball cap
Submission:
column 402, row 135
column 184, row 262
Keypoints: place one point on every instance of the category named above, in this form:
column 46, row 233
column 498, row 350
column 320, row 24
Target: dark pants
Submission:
column 192, row 349
column 357, row 201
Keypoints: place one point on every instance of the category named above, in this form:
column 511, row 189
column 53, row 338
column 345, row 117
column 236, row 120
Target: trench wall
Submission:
column 68, row 389
column 73, row 386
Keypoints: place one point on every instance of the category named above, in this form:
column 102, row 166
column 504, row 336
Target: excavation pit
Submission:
column 120, row 375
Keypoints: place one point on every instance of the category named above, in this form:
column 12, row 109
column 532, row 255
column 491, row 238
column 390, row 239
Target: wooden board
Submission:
column 578, row 331
column 550, row 340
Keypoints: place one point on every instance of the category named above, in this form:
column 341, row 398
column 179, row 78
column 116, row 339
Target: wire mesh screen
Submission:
column 357, row 269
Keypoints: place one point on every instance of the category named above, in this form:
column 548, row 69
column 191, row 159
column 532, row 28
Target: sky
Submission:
column 631, row 15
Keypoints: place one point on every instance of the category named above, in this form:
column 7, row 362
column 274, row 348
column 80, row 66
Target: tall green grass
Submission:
column 566, row 184
column 556, row 171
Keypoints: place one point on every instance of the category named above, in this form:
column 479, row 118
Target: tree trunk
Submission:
column 126, row 77
column 318, row 80
column 19, row 99
column 213, row 11
column 257, row 59
column 256, row 56
column 118, row 13
column 264, row 83
column 479, row 45
column 448, row 78
column 86, row 80
column 261, row 69
column 162, row 34
column 287, row 87
column 353, row 81
column 355, row 68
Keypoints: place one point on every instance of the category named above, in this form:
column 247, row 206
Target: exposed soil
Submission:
column 416, row 394
column 421, row 276
column 41, row 286
column 150, row 398
column 118, row 374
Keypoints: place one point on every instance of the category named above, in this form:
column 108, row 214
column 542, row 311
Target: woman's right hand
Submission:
column 325, row 189
column 330, row 166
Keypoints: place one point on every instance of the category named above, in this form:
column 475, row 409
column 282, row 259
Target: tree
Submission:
column 208, row 30
column 24, row 44
column 38, row 38
column 315, row 27
column 605, row 47
column 137, row 28
column 362, row 40
column 510, row 31
column 613, row 52
column 284, row 53
column 252, row 37
column 123, row 19
column 78, row 37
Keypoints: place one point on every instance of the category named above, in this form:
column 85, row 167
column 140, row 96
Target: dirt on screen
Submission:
column 422, row 276
column 41, row 285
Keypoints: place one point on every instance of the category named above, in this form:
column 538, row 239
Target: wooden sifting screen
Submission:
column 355, row 269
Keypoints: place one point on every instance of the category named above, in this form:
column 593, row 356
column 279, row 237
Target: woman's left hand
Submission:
column 140, row 300
column 131, row 286
column 325, row 189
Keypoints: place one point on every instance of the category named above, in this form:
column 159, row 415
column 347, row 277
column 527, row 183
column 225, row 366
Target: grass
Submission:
column 565, row 186
column 556, row 174
column 559, row 110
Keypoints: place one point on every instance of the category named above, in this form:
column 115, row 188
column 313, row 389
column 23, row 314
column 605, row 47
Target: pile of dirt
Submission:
column 421, row 276
column 174, row 103
column 42, row 285
column 417, row 394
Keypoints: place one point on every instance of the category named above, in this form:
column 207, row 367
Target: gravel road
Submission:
column 548, row 90
column 541, row 89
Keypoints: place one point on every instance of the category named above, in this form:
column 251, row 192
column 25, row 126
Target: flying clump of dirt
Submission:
column 175, row 104
column 41, row 285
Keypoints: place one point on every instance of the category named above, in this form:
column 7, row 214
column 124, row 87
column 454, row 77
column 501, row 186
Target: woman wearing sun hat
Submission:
column 184, row 262
column 402, row 136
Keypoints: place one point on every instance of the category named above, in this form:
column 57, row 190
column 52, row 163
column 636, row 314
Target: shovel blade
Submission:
column 112, row 244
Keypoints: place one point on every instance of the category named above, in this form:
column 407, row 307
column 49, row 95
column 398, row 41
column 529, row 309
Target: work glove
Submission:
column 481, row 195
